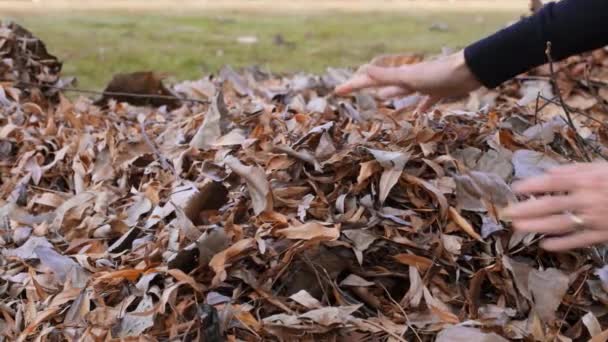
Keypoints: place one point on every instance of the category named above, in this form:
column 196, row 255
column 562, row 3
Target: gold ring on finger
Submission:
column 577, row 220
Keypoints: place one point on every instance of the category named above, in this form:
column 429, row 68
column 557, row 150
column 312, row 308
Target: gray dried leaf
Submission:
column 593, row 325
column 547, row 289
column 140, row 206
column 136, row 322
column 495, row 162
column 361, row 240
column 329, row 316
column 544, row 132
column 258, row 186
column 529, row 163
column 452, row 243
column 239, row 84
column 467, row 334
column 531, row 90
column 59, row 264
column 489, row 226
column 468, row 156
column 304, row 206
column 475, row 187
column 304, row 298
column 317, row 105
column 393, row 164
column 27, row 250
column 356, row 281
column 213, row 125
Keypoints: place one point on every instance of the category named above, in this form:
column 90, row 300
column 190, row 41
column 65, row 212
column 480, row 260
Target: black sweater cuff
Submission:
column 572, row 26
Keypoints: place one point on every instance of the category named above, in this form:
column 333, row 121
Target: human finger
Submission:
column 386, row 93
column 577, row 168
column 543, row 206
column 550, row 182
column 427, row 103
column 395, row 76
column 553, row 224
column 358, row 81
column 584, row 238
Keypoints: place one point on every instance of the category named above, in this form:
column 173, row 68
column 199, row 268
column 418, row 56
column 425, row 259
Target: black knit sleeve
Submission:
column 572, row 27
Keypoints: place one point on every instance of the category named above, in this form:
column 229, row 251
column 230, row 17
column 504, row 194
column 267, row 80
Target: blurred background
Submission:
column 186, row 39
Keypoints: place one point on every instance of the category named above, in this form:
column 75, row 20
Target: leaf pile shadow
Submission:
column 282, row 212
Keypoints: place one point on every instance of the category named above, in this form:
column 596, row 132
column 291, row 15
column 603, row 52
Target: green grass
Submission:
column 95, row 45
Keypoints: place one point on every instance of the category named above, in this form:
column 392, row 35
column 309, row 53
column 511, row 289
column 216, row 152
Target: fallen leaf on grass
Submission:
column 140, row 83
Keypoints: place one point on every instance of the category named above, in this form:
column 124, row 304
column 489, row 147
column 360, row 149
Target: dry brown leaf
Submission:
column 602, row 337
column 304, row 298
column 311, row 231
column 219, row 261
column 367, row 170
column 183, row 277
column 420, row 262
column 464, row 224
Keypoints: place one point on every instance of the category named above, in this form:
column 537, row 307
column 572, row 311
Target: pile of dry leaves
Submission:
column 25, row 61
column 278, row 211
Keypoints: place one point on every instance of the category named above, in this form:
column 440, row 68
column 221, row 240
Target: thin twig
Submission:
column 395, row 336
column 573, row 110
column 580, row 287
column 407, row 319
column 107, row 93
column 553, row 80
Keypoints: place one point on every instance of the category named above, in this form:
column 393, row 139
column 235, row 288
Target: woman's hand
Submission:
column 579, row 218
column 446, row 77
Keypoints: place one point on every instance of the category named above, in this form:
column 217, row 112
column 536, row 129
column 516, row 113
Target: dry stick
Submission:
column 593, row 149
column 392, row 334
column 580, row 287
column 407, row 319
column 108, row 93
column 578, row 138
column 573, row 110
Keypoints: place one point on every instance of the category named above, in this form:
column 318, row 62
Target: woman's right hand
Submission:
column 445, row 77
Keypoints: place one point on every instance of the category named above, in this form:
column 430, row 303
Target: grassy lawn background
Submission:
column 97, row 44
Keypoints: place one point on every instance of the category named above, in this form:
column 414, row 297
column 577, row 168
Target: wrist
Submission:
column 462, row 72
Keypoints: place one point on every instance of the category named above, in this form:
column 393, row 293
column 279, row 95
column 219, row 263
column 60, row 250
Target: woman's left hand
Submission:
column 577, row 215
